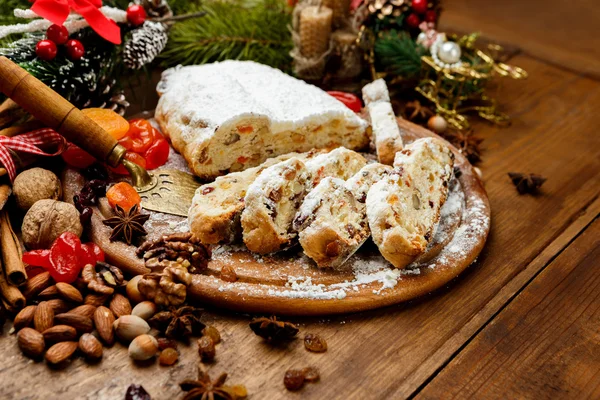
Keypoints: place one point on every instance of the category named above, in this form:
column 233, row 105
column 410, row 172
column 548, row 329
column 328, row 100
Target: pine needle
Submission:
column 398, row 53
column 232, row 30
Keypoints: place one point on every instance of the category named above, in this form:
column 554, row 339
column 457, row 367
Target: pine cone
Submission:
column 145, row 43
column 107, row 96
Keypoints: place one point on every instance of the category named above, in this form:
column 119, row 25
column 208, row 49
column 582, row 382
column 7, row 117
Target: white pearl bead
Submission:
column 449, row 52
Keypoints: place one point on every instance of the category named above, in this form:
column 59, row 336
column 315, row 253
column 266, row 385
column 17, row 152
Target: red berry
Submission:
column 75, row 49
column 431, row 16
column 419, row 6
column 136, row 15
column 413, row 20
column 58, row 34
column 46, row 50
column 349, row 100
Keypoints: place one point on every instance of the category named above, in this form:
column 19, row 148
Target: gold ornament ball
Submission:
column 437, row 123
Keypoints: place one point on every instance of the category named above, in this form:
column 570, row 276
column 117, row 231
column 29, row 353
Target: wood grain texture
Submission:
column 544, row 343
column 556, row 31
column 391, row 353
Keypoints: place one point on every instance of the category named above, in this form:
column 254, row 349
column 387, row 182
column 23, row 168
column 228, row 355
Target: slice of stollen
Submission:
column 385, row 131
column 360, row 183
column 404, row 207
column 271, row 204
column 214, row 216
column 331, row 223
column 338, row 163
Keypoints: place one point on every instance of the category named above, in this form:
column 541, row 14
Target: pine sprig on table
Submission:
column 231, row 30
column 399, row 54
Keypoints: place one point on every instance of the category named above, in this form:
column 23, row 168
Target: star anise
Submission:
column 526, row 183
column 415, row 111
column 206, row 389
column 466, row 142
column 178, row 323
column 127, row 225
column 273, row 330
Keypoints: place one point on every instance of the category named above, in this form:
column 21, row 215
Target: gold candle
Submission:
column 341, row 10
column 315, row 30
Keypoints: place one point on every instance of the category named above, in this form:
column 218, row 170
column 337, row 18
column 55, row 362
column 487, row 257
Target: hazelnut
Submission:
column 48, row 219
column 128, row 327
column 36, row 184
column 143, row 347
column 133, row 293
column 145, row 310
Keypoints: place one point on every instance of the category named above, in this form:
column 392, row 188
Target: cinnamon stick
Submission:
column 11, row 252
column 12, row 296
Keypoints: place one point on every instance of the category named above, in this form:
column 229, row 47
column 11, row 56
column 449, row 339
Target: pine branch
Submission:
column 233, row 30
column 399, row 54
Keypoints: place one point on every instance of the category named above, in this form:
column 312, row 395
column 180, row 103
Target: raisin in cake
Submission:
column 360, row 183
column 331, row 223
column 340, row 163
column 404, row 207
column 271, row 204
column 229, row 116
column 385, row 130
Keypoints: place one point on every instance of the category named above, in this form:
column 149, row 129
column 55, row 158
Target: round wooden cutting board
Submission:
column 290, row 284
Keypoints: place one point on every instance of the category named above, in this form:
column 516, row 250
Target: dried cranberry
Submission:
column 96, row 171
column 38, row 258
column 98, row 187
column 85, row 216
column 137, row 392
column 77, row 202
column 90, row 253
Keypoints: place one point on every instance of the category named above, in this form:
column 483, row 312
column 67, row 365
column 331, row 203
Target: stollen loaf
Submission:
column 233, row 115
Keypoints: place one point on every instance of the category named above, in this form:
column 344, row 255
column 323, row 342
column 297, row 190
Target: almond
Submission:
column 43, row 317
column 24, row 318
column 69, row 293
column 59, row 306
column 95, row 299
column 120, row 305
column 128, row 327
column 144, row 310
column 104, row 320
column 59, row 333
column 60, row 352
column 87, row 310
column 82, row 323
column 50, row 292
column 90, row 346
column 36, row 284
column 31, row 342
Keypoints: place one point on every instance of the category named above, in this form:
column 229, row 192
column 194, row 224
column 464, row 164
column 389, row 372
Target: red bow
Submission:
column 57, row 11
column 28, row 143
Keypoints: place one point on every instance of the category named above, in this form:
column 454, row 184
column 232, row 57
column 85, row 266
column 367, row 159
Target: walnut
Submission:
column 36, row 184
column 48, row 219
column 183, row 248
column 101, row 278
column 167, row 288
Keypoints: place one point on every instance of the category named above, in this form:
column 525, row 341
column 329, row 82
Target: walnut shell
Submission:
column 36, row 184
column 48, row 219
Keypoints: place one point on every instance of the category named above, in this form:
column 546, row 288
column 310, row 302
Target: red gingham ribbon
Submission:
column 28, row 143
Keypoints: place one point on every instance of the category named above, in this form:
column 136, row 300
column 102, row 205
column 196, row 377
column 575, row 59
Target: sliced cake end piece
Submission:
column 360, row 183
column 385, row 131
column 271, row 204
column 331, row 223
column 404, row 207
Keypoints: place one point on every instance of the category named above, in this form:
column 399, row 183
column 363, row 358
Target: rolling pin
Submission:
column 58, row 113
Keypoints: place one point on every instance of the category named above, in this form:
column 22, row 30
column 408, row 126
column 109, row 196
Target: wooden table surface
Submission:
column 522, row 322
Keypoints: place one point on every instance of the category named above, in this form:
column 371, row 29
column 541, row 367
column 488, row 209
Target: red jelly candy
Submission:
column 76, row 157
column 157, row 154
column 64, row 258
column 37, row 258
column 90, row 253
